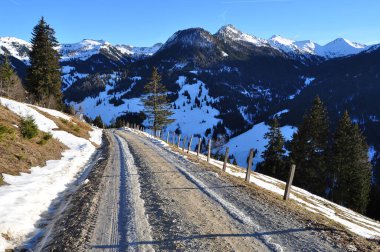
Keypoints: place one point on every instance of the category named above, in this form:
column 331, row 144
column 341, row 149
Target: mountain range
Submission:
column 220, row 84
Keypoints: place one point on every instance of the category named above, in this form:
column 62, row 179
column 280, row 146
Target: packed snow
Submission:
column 26, row 197
column 352, row 221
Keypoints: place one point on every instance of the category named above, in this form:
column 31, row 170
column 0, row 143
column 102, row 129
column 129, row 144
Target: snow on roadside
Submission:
column 54, row 113
column 355, row 222
column 28, row 196
column 96, row 135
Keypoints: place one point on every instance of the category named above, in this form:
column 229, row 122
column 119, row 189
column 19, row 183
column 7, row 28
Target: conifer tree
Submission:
column 274, row 163
column 44, row 75
column 6, row 74
column 98, row 122
column 310, row 150
column 157, row 107
column 352, row 169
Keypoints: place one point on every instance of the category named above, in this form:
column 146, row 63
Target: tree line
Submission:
column 335, row 166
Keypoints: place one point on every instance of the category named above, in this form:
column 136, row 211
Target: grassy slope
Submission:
column 18, row 154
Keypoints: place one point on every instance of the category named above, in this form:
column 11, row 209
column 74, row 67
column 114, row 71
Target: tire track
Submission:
column 121, row 212
column 279, row 231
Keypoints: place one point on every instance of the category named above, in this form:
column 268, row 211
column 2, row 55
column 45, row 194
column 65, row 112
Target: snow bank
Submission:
column 29, row 195
column 349, row 219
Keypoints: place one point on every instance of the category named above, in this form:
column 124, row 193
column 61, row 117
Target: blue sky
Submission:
column 145, row 22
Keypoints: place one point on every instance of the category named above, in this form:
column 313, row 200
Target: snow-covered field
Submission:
column 254, row 138
column 349, row 219
column 189, row 118
column 28, row 196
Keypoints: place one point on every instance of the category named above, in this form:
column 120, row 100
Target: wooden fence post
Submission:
column 199, row 147
column 179, row 140
column 289, row 183
column 184, row 143
column 167, row 137
column 189, row 145
column 225, row 159
column 249, row 166
column 209, row 151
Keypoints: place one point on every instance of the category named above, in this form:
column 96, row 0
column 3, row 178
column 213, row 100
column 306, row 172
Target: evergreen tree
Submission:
column 157, row 107
column 44, row 75
column 352, row 169
column 98, row 122
column 6, row 74
column 310, row 150
column 274, row 163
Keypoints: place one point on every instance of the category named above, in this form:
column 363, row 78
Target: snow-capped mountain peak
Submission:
column 83, row 49
column 340, row 47
column 229, row 32
column 139, row 52
column 337, row 48
column 197, row 37
column 281, row 40
column 15, row 47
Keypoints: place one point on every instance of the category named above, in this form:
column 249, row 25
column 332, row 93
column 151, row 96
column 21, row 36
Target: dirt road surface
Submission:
column 144, row 197
column 156, row 200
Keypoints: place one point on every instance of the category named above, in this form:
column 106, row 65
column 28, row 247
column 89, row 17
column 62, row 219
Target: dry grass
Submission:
column 18, row 154
column 75, row 126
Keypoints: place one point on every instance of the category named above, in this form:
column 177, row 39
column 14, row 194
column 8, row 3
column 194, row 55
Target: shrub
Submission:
column 75, row 128
column 64, row 121
column 45, row 138
column 28, row 127
column 4, row 130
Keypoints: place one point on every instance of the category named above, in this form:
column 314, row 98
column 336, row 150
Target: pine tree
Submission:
column 98, row 122
column 274, row 163
column 157, row 107
column 310, row 150
column 44, row 75
column 6, row 74
column 352, row 169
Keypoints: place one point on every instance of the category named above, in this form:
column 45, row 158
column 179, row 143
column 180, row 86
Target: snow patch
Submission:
column 28, row 196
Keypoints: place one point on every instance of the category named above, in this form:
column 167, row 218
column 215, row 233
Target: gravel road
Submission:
column 144, row 197
column 156, row 200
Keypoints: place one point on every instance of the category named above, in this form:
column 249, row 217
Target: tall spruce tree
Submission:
column 157, row 107
column 44, row 73
column 352, row 169
column 6, row 74
column 310, row 149
column 274, row 163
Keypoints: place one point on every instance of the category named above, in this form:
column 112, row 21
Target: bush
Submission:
column 75, row 128
column 64, row 121
column 28, row 127
column 45, row 138
column 4, row 130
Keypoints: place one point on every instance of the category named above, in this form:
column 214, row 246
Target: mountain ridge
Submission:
column 339, row 47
